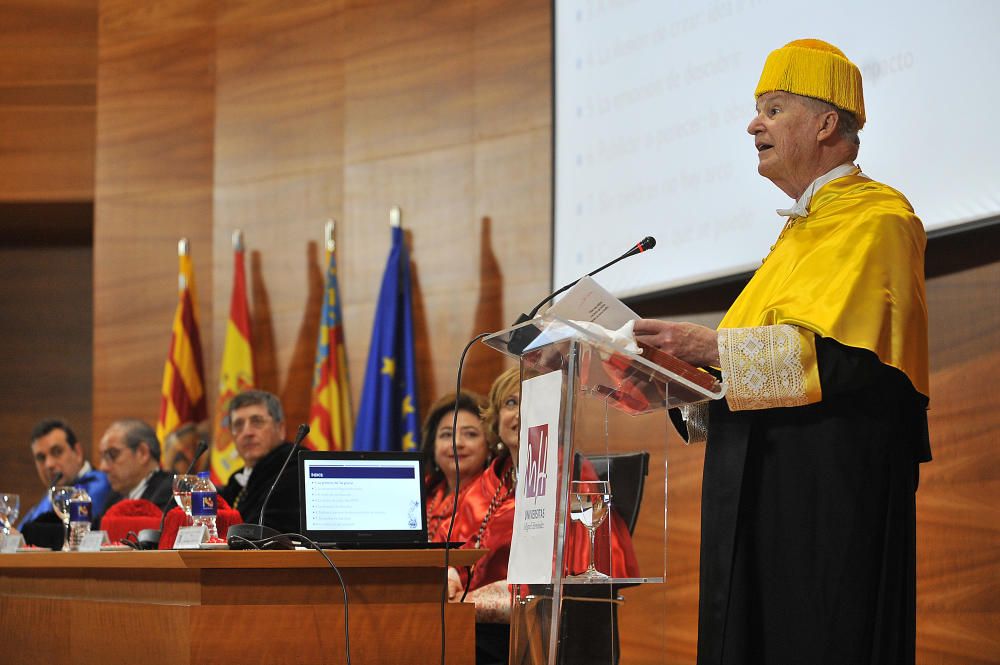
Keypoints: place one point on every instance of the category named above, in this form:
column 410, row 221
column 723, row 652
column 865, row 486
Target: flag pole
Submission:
column 331, row 243
column 183, row 249
column 395, row 217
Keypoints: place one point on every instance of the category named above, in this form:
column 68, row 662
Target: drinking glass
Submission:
column 60, row 496
column 589, row 502
column 183, row 483
column 10, row 508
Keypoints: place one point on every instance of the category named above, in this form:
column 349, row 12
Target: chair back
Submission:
column 627, row 474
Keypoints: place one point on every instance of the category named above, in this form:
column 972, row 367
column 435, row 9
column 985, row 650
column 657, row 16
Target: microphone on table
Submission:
column 149, row 539
column 241, row 536
column 55, row 480
column 524, row 336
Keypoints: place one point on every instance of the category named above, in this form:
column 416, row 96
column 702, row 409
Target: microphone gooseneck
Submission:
column 55, row 480
column 523, row 336
column 301, row 434
column 198, row 452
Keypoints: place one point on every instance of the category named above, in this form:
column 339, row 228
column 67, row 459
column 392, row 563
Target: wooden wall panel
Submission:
column 48, row 67
column 45, row 354
column 155, row 130
column 958, row 527
column 278, row 170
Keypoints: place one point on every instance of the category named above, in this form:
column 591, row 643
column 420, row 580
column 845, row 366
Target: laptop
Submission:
column 363, row 500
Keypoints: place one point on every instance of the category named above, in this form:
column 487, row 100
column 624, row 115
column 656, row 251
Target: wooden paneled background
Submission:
column 206, row 116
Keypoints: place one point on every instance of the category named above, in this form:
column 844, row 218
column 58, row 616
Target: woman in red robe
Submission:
column 486, row 520
column 474, row 454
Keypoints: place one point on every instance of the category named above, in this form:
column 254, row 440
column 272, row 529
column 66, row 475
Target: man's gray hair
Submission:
column 252, row 397
column 847, row 124
column 136, row 432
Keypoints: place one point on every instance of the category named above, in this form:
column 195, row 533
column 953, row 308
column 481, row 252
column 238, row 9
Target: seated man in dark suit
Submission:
column 257, row 423
column 130, row 456
column 57, row 451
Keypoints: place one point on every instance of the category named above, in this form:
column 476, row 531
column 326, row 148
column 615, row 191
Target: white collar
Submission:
column 243, row 475
column 801, row 207
column 137, row 491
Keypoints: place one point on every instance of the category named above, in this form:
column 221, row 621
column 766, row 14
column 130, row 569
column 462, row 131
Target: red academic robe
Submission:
column 439, row 508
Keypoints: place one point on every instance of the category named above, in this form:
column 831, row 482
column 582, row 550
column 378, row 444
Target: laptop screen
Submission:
column 356, row 498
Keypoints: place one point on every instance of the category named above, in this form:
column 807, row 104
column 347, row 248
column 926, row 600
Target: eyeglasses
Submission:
column 111, row 455
column 253, row 422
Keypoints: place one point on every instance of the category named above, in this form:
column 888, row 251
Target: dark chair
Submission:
column 627, row 474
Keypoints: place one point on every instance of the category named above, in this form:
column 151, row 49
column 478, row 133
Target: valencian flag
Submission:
column 387, row 419
column 236, row 374
column 330, row 421
column 182, row 395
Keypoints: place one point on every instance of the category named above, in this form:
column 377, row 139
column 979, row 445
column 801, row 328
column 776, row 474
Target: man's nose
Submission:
column 755, row 126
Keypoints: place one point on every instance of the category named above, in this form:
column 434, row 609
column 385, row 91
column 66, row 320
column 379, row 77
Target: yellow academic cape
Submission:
column 852, row 270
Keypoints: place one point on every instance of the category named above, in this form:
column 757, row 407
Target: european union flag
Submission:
column 387, row 418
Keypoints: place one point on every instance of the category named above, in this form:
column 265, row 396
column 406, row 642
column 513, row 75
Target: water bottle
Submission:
column 80, row 514
column 203, row 504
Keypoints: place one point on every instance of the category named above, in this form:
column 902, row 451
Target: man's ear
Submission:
column 828, row 123
column 142, row 450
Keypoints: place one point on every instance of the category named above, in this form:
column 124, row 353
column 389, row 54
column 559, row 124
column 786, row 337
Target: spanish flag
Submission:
column 182, row 395
column 236, row 374
column 330, row 419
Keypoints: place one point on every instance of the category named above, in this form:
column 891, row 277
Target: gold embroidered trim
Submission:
column 763, row 367
column 696, row 420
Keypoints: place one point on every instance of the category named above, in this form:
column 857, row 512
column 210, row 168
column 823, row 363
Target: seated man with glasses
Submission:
column 257, row 423
column 130, row 456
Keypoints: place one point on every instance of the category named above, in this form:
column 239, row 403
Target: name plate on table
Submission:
column 10, row 543
column 93, row 540
column 190, row 537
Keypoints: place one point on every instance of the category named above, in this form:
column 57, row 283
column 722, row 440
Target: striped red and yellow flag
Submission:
column 330, row 419
column 182, row 394
column 236, row 374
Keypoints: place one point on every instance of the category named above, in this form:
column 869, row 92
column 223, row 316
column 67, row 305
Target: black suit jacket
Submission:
column 159, row 490
column 283, row 508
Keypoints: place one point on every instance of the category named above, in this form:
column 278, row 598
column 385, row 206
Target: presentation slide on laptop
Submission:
column 362, row 495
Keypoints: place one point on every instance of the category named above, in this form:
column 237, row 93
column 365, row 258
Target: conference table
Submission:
column 181, row 607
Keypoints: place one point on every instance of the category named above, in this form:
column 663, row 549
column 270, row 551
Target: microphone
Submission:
column 239, row 534
column 198, row 452
column 524, row 336
column 55, row 480
column 149, row 539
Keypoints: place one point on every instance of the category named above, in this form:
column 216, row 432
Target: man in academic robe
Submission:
column 59, row 455
column 130, row 456
column 257, row 423
column 811, row 465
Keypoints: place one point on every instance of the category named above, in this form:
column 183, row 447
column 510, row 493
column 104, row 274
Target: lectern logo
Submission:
column 538, row 453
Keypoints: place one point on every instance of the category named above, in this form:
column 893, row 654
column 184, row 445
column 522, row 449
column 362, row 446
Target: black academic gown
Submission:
column 808, row 522
column 283, row 508
column 159, row 491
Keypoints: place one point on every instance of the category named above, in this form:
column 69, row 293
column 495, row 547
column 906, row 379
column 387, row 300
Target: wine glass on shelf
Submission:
column 589, row 502
column 10, row 508
column 60, row 496
column 183, row 484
